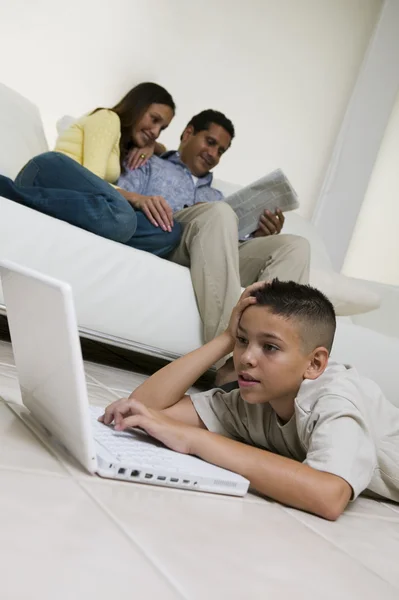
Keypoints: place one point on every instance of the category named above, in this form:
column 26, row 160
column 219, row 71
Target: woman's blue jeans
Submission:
column 58, row 186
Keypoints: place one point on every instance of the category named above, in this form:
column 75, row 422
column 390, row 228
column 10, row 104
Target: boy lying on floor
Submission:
column 306, row 432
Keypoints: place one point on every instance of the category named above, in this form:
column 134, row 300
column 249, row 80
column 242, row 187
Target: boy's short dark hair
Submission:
column 307, row 305
column 205, row 118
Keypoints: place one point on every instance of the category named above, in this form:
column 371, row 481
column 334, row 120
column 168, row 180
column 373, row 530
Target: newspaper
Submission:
column 270, row 192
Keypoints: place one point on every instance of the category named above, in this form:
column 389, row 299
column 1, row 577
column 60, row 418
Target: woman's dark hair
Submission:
column 132, row 107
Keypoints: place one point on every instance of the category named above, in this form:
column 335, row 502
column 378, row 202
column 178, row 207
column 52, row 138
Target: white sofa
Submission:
column 135, row 300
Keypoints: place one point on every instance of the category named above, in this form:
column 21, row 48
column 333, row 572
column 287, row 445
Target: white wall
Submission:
column 374, row 250
column 282, row 70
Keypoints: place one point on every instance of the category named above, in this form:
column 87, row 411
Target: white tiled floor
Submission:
column 66, row 534
column 78, row 554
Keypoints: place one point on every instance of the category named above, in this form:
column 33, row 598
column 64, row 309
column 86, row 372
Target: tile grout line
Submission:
column 77, row 482
column 394, row 510
column 39, row 436
column 32, row 471
column 338, row 547
column 151, row 559
column 3, row 364
column 9, row 376
column 103, row 386
column 373, row 517
column 142, row 552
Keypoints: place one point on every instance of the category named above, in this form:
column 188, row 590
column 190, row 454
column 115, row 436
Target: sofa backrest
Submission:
column 21, row 132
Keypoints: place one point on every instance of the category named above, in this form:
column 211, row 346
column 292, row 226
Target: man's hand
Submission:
column 135, row 157
column 156, row 209
column 245, row 300
column 131, row 413
column 269, row 223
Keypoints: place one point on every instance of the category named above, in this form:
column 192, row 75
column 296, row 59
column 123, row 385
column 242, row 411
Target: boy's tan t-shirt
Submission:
column 342, row 424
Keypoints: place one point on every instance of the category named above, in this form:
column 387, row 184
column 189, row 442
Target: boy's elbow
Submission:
column 331, row 513
column 333, row 500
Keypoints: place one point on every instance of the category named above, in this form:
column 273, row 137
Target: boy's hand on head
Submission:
column 245, row 300
column 131, row 413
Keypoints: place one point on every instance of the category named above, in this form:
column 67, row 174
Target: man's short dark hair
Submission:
column 205, row 118
column 304, row 304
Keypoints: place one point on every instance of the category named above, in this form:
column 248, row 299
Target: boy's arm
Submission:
column 168, row 385
column 283, row 479
column 165, row 389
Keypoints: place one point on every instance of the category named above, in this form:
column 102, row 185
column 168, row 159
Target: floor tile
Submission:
column 57, row 543
column 6, row 355
column 21, row 449
column 9, row 386
column 8, row 370
column 114, row 378
column 370, row 509
column 65, row 463
column 219, row 547
column 101, row 395
column 393, row 507
column 369, row 535
column 246, row 547
column 122, row 381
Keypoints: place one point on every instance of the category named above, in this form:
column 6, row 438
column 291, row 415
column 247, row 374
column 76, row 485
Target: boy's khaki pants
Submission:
column 220, row 265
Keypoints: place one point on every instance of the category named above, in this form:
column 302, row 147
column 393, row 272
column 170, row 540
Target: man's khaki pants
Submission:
column 220, row 265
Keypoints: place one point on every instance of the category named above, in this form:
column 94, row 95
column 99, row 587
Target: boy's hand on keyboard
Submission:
column 116, row 412
column 131, row 413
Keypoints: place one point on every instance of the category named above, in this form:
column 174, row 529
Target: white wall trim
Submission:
column 360, row 136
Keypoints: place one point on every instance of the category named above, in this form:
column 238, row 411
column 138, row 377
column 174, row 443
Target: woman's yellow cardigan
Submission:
column 93, row 141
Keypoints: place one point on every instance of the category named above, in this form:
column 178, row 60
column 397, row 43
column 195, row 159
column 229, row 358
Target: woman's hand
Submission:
column 155, row 208
column 138, row 157
column 245, row 300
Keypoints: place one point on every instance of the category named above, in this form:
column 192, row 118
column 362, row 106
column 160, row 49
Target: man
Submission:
column 179, row 185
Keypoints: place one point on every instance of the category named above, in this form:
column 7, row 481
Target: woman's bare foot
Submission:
column 226, row 373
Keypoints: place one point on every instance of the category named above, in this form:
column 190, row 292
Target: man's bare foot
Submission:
column 226, row 373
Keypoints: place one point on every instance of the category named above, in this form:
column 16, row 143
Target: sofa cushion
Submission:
column 21, row 132
column 349, row 296
column 119, row 291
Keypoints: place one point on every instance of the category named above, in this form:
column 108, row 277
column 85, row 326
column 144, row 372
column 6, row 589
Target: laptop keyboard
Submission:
column 129, row 447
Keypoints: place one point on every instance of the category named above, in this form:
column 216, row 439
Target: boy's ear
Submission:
column 317, row 363
column 187, row 133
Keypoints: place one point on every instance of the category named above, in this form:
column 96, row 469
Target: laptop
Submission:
column 45, row 340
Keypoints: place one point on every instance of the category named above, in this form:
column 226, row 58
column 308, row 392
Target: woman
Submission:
column 74, row 183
